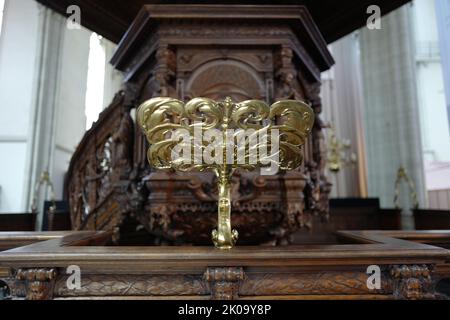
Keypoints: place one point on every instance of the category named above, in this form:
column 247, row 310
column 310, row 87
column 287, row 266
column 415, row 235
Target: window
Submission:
column 95, row 80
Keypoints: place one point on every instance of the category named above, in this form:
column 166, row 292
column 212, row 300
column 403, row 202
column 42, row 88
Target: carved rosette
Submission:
column 224, row 282
column 412, row 282
column 39, row 283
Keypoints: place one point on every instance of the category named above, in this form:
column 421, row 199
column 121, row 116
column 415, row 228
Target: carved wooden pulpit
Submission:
column 268, row 53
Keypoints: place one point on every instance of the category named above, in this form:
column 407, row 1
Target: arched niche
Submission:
column 223, row 78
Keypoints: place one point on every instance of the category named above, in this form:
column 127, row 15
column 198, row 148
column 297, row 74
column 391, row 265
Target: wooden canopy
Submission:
column 111, row 18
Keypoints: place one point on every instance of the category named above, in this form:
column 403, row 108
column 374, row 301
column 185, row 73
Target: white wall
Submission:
column 12, row 163
column 71, row 119
column 113, row 77
column 443, row 22
column 425, row 28
column 433, row 112
column 17, row 61
column 430, row 83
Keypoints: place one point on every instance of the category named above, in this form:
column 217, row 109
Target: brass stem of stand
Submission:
column 223, row 237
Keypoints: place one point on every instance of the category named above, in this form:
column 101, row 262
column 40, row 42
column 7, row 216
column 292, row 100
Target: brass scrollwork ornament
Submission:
column 203, row 134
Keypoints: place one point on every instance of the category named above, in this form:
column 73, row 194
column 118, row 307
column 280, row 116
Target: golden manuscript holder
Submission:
column 203, row 134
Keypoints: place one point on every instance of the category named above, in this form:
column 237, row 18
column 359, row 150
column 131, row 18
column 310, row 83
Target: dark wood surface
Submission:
column 26, row 222
column 428, row 219
column 298, row 18
column 17, row 221
column 111, row 18
column 349, row 214
column 345, row 214
column 10, row 240
column 295, row 272
column 371, row 246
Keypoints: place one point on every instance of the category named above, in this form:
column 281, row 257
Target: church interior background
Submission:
column 374, row 187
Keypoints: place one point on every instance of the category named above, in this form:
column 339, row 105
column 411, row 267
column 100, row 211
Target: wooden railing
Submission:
column 101, row 162
column 337, row 271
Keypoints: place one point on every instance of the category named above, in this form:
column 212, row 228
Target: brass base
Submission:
column 224, row 243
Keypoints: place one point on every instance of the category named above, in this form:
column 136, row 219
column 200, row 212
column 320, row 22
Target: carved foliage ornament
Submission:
column 39, row 283
column 412, row 281
column 224, row 282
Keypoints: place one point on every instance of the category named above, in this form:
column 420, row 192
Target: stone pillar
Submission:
column 342, row 104
column 44, row 99
column 391, row 116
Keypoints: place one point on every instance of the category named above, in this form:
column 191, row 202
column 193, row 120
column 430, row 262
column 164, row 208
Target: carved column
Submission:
column 39, row 283
column 412, row 282
column 295, row 205
column 224, row 282
column 318, row 159
column 287, row 86
column 164, row 71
